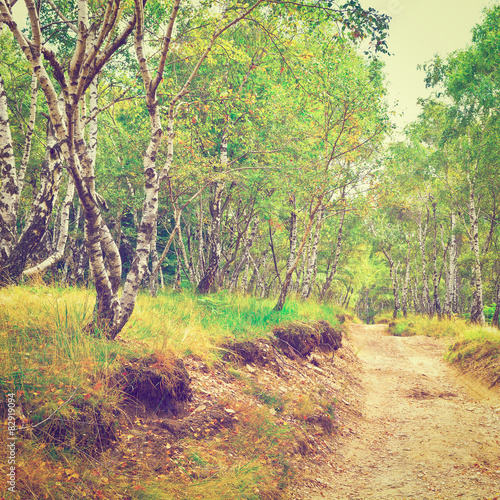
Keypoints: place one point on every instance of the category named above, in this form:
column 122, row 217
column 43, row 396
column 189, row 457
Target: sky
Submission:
column 419, row 29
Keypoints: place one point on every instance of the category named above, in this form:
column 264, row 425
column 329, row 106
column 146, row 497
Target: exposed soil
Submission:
column 426, row 432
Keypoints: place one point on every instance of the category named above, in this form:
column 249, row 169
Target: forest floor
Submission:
column 425, row 430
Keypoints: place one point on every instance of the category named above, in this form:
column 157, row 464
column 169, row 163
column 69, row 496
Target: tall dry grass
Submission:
column 58, row 374
column 473, row 347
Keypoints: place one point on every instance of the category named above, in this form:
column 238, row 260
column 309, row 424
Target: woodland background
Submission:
column 245, row 147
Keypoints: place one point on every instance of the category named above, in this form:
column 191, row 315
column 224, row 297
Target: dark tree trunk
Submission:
column 41, row 210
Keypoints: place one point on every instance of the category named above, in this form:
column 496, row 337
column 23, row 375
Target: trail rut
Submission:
column 425, row 433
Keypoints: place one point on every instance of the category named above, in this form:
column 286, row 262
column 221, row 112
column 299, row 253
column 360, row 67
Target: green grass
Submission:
column 60, row 376
column 472, row 347
column 193, row 324
column 416, row 324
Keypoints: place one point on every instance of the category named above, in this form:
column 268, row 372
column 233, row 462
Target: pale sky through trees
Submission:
column 419, row 29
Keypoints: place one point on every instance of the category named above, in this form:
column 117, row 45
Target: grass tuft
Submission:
column 67, row 398
column 194, row 324
column 474, row 347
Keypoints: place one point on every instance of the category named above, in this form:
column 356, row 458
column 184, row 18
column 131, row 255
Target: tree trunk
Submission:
column 309, row 275
column 153, row 277
column 12, row 181
column 422, row 235
column 244, row 281
column 245, row 257
column 476, row 311
column 338, row 248
column 41, row 211
column 293, row 265
column 215, row 244
column 414, row 294
column 496, row 314
column 435, row 279
column 451, row 304
column 157, row 266
column 62, row 236
column 393, row 271
column 406, row 283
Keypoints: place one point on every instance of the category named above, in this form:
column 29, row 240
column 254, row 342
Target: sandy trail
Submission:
column 426, row 433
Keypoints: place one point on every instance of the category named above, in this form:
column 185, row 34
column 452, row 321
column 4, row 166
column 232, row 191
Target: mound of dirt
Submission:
column 344, row 317
column 480, row 358
column 259, row 351
column 160, row 383
column 298, row 339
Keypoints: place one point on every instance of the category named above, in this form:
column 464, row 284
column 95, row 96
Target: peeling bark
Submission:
column 62, row 237
column 41, row 211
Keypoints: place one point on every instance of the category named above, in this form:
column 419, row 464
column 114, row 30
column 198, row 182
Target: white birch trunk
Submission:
column 41, row 210
column 435, row 278
column 338, row 249
column 215, row 244
column 308, row 281
column 245, row 257
column 9, row 188
column 288, row 277
column 62, row 237
column 406, row 282
column 422, row 235
column 476, row 312
column 451, row 280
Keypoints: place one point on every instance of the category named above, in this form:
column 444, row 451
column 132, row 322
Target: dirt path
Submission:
column 426, row 433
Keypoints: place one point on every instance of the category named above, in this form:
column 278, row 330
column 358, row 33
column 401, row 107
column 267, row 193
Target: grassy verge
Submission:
column 67, row 407
column 192, row 324
column 474, row 348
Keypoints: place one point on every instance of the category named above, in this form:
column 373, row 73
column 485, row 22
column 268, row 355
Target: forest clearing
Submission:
column 226, row 273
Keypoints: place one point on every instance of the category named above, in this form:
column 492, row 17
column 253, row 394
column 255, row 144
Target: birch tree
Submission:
column 102, row 30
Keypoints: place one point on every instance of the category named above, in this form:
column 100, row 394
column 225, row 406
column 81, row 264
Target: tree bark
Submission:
column 288, row 277
column 476, row 311
column 62, row 236
column 12, row 181
column 393, row 273
column 496, row 314
column 245, row 257
column 450, row 305
column 338, row 248
column 309, row 275
column 215, row 244
column 422, row 235
column 435, row 278
column 41, row 211
column 406, row 283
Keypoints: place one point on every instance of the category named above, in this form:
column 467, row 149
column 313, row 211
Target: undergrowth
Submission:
column 195, row 324
column 67, row 404
column 472, row 347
